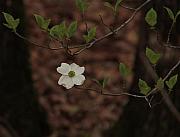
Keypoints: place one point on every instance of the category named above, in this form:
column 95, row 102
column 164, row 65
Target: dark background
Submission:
column 33, row 105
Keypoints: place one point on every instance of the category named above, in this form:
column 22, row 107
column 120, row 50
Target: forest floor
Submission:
column 74, row 113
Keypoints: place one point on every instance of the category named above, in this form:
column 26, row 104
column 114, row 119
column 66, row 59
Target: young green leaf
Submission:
column 177, row 14
column 170, row 13
column 172, row 82
column 109, row 5
column 63, row 30
column 86, row 38
column 7, row 25
column 11, row 22
column 16, row 23
column 124, row 70
column 55, row 32
column 42, row 23
column 152, row 56
column 59, row 31
column 103, row 82
column 91, row 35
column 72, row 29
column 82, row 5
column 117, row 5
column 8, row 17
column 160, row 84
column 151, row 17
column 143, row 86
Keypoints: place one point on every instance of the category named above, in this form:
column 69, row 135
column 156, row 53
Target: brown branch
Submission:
column 105, row 92
column 169, row 33
column 167, row 44
column 171, row 46
column 38, row 45
column 172, row 69
column 105, row 23
column 88, row 45
column 129, row 8
column 116, row 30
column 163, row 92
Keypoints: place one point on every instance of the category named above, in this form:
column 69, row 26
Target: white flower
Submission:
column 71, row 75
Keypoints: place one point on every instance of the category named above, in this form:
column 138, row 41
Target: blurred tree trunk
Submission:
column 19, row 108
column 138, row 119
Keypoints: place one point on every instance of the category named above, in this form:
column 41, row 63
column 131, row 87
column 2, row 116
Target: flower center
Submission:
column 71, row 74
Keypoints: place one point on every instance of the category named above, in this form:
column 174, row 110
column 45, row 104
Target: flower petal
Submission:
column 74, row 66
column 78, row 80
column 66, row 81
column 77, row 69
column 64, row 69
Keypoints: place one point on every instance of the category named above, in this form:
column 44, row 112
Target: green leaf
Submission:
column 160, row 84
column 109, row 5
column 81, row 5
column 72, row 29
column 170, row 13
column 91, row 35
column 59, row 31
column 55, row 31
column 152, row 56
column 117, row 4
column 11, row 22
column 16, row 23
column 103, row 82
column 178, row 13
column 8, row 17
column 151, row 17
column 143, row 86
column 172, row 81
column 7, row 25
column 42, row 23
column 86, row 38
column 124, row 70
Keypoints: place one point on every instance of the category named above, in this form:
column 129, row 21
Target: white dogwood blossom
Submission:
column 71, row 75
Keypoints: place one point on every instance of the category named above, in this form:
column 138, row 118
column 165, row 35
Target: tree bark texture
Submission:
column 138, row 119
column 20, row 112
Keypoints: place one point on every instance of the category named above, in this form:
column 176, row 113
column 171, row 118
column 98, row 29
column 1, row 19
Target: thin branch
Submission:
column 88, row 45
column 169, row 33
column 149, row 103
column 38, row 45
column 167, row 44
column 172, row 69
column 105, row 23
column 171, row 46
column 129, row 8
column 47, row 47
column 106, row 93
column 163, row 92
column 116, row 30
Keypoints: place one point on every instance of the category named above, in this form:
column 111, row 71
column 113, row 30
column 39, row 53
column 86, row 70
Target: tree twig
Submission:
column 116, row 30
column 163, row 92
